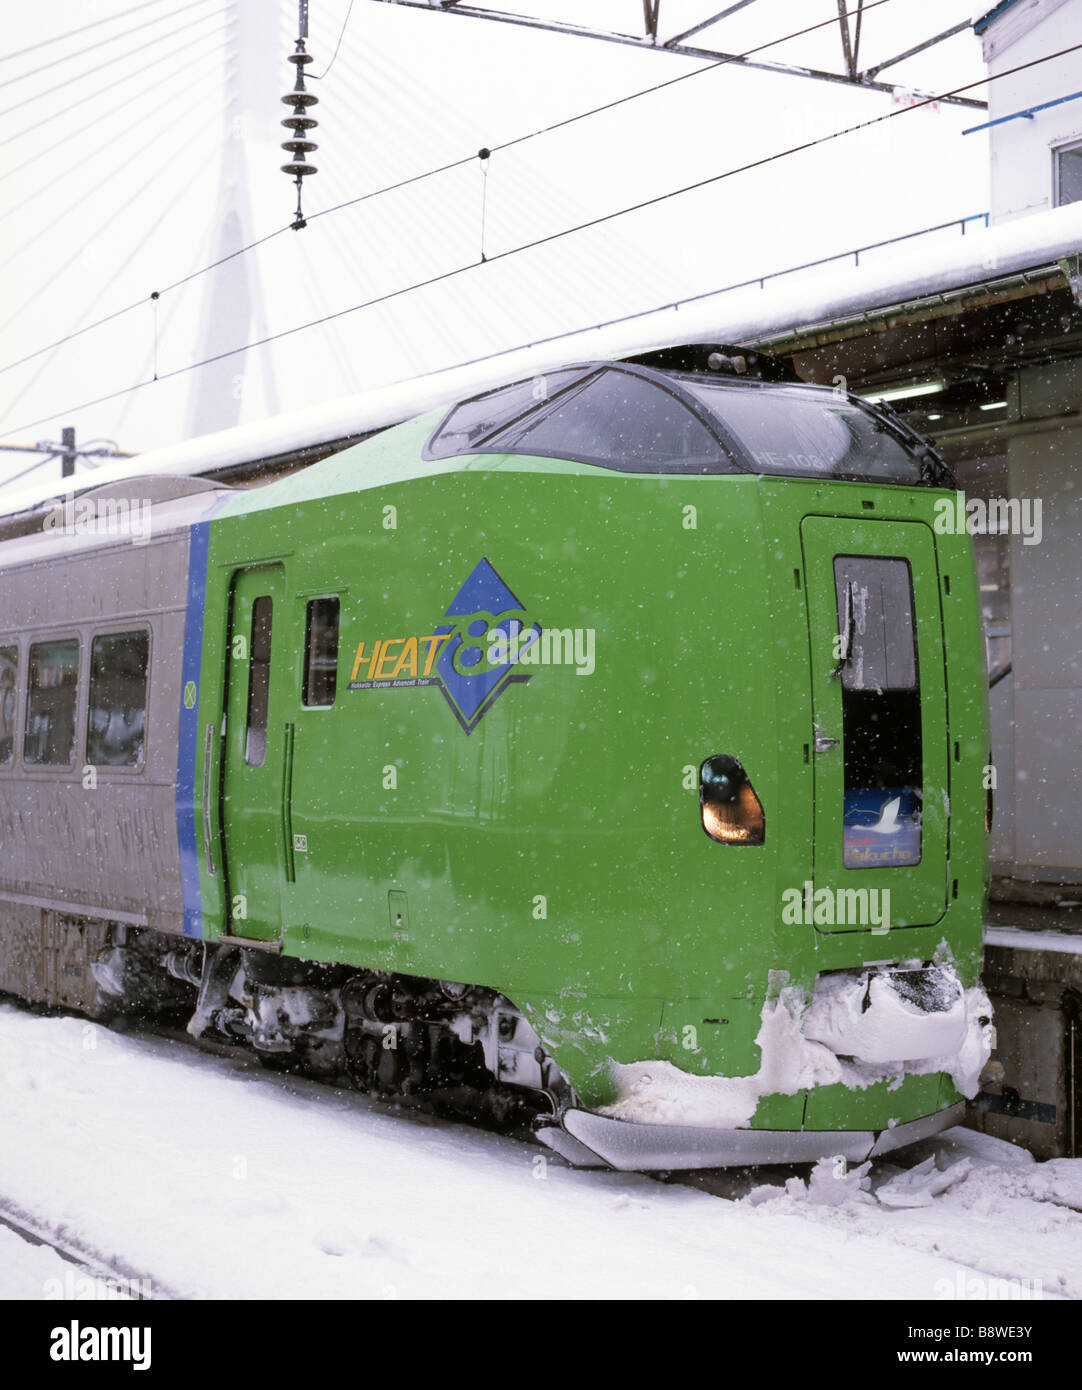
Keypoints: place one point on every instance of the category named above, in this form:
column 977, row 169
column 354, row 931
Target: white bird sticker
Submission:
column 888, row 818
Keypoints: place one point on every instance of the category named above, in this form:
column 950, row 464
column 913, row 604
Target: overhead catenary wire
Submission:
column 164, row 168
column 167, row 211
column 541, row 241
column 597, row 110
column 38, row 463
column 162, row 171
column 146, row 299
column 415, row 178
column 686, row 76
column 318, row 77
column 164, row 319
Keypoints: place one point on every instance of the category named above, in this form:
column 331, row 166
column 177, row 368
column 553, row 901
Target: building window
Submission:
column 321, row 652
column 50, row 703
column 9, row 675
column 1068, row 173
column 116, row 719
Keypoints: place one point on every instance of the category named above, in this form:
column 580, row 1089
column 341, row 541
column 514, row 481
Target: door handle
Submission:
column 823, row 742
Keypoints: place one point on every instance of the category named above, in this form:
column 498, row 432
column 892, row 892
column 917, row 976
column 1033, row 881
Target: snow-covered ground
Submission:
column 28, row 1270
column 214, row 1179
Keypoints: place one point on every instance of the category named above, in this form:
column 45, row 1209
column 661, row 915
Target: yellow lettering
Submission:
column 381, row 674
column 408, row 657
column 373, row 660
column 435, row 642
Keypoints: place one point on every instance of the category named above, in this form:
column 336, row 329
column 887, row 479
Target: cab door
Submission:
column 880, row 736
column 255, row 773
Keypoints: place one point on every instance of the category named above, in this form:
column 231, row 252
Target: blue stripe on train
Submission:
column 199, row 544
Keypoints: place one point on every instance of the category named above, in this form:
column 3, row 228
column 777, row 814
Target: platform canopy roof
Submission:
column 900, row 282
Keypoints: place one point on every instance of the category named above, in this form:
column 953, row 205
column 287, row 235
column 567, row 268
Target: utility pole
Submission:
column 67, row 458
column 66, row 451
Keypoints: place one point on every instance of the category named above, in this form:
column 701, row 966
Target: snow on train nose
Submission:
column 862, row 1026
column 878, row 1016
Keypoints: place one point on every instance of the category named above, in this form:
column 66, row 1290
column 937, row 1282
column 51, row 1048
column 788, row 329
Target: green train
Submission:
column 607, row 753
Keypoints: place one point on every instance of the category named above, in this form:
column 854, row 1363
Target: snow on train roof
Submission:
column 799, row 299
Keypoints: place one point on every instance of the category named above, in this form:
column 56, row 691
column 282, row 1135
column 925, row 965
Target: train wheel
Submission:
column 291, row 1063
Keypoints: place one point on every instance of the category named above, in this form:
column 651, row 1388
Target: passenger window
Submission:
column 255, row 743
column 116, row 720
column 9, row 673
column 50, row 703
column 321, row 652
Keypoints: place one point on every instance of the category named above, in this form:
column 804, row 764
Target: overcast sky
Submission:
column 144, row 148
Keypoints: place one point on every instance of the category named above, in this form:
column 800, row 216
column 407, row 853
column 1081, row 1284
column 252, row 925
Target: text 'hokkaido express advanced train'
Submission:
column 607, row 752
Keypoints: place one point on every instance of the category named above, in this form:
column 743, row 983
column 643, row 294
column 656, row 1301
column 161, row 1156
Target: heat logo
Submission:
column 475, row 655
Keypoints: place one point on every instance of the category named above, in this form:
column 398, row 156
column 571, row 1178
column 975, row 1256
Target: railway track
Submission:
column 111, row 1279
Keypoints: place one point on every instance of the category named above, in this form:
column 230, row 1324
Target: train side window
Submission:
column 321, row 652
column 255, row 742
column 116, row 718
column 50, row 703
column 9, row 679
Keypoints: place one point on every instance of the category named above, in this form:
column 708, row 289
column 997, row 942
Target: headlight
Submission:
column 731, row 812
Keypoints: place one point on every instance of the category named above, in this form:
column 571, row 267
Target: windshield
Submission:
column 470, row 423
column 641, row 420
column 794, row 430
column 618, row 420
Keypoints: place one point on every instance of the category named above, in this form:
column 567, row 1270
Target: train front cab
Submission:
column 880, row 885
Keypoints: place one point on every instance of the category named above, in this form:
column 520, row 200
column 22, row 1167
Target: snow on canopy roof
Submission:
column 981, row 24
column 1022, row 20
column 800, row 299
